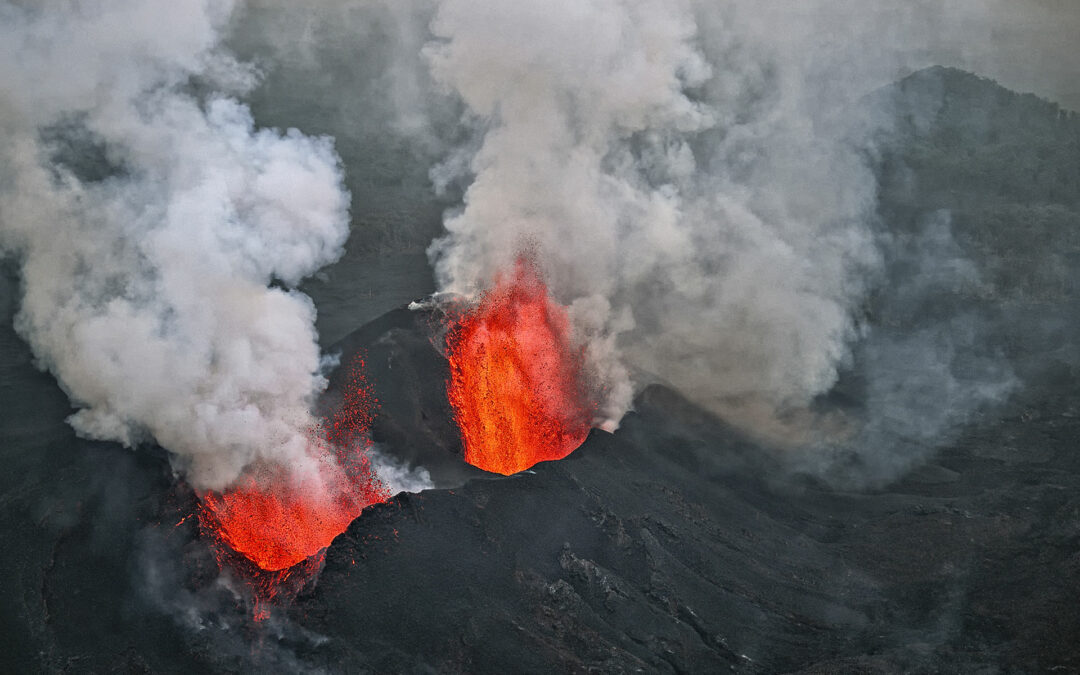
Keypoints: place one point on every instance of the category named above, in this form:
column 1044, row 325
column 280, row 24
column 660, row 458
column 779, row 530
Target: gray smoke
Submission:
column 698, row 179
column 927, row 366
column 696, row 176
column 688, row 195
column 161, row 233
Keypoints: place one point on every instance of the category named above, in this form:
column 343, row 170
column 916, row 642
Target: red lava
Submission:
column 281, row 522
column 516, row 378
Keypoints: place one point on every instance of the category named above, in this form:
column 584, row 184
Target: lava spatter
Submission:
column 277, row 518
column 517, row 382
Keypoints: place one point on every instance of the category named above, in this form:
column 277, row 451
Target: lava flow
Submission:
column 517, row 381
column 277, row 518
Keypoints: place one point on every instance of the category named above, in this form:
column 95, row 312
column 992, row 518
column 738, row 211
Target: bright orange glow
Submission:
column 516, row 379
column 280, row 521
column 277, row 518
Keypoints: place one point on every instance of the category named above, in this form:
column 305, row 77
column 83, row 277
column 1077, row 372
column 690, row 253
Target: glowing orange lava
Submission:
column 278, row 517
column 281, row 520
column 516, row 379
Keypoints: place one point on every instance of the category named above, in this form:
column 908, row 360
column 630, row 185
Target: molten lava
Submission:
column 277, row 518
column 516, row 378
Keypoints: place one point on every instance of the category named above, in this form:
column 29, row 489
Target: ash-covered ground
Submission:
column 673, row 545
column 676, row 544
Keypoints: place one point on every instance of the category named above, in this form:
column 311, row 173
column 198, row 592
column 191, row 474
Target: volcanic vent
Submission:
column 517, row 382
column 277, row 517
column 518, row 393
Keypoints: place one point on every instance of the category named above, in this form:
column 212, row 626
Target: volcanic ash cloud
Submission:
column 657, row 158
column 161, row 234
column 696, row 182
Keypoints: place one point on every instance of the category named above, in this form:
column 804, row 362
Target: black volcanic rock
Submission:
column 675, row 545
column 408, row 373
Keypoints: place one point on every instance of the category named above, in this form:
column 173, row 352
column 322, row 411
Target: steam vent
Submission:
column 604, row 336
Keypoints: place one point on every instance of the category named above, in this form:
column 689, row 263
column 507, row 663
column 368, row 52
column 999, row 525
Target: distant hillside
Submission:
column 1003, row 170
column 1005, row 165
column 971, row 139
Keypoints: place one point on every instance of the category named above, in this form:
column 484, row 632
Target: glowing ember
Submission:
column 277, row 518
column 516, row 379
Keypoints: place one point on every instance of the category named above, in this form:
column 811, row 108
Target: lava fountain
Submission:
column 517, row 382
column 278, row 518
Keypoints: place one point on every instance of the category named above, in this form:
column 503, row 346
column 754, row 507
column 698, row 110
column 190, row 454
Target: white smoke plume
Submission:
column 697, row 178
column 397, row 475
column 161, row 234
column 668, row 167
column 695, row 175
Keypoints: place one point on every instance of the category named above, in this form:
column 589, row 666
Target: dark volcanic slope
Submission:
column 672, row 545
column 663, row 548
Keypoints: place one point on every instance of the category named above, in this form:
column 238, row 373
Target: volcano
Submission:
column 675, row 544
column 668, row 546
column 672, row 546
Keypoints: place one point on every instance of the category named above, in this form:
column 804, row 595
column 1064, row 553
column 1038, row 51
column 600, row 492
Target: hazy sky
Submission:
column 1028, row 45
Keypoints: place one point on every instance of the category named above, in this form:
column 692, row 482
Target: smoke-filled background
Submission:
column 772, row 208
column 697, row 179
column 700, row 181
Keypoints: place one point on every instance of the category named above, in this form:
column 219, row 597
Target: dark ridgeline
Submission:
column 673, row 545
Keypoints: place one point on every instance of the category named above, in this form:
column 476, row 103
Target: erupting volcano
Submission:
column 516, row 379
column 276, row 518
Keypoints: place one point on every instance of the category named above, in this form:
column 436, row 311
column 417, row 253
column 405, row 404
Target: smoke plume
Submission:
column 161, row 233
column 698, row 179
column 685, row 201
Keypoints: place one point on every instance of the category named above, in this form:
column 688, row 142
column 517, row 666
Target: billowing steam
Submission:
column 697, row 178
column 161, row 234
column 685, row 202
